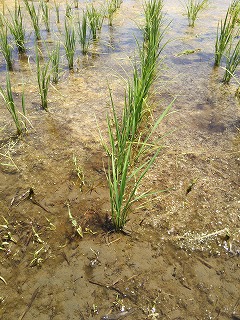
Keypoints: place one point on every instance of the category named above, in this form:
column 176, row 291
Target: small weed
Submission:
column 79, row 172
column 77, row 228
column 37, row 258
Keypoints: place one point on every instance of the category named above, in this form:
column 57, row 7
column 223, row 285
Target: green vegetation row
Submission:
column 79, row 29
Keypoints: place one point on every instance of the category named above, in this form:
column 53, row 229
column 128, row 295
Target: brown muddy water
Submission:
column 181, row 257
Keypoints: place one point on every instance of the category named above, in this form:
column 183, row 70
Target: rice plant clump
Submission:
column 129, row 159
column 45, row 14
column 225, row 33
column 70, row 42
column 193, row 7
column 5, row 47
column 15, row 24
column 18, row 118
column 57, row 9
column 95, row 18
column 233, row 61
column 55, row 60
column 34, row 15
column 84, row 33
column 43, row 78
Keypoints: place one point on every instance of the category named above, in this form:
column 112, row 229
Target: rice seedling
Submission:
column 235, row 10
column 34, row 15
column 57, row 8
column 43, row 78
column 79, row 172
column 84, row 33
column 233, row 61
column 225, row 31
column 95, row 18
column 70, row 42
column 6, row 48
column 76, row 4
column 55, row 60
column 124, row 180
column 68, row 12
column 111, row 9
column 16, row 27
column 18, row 118
column 118, row 3
column 193, row 7
column 45, row 14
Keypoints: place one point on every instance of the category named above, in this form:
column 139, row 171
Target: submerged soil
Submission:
column 180, row 256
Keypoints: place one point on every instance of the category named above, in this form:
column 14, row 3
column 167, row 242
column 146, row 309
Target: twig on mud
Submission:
column 30, row 303
column 111, row 287
column 205, row 263
column 109, row 243
column 3, row 280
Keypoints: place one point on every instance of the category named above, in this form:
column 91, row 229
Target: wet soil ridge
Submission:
column 178, row 257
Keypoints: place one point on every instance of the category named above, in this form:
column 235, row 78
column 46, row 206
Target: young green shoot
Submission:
column 15, row 24
column 6, row 48
column 57, row 8
column 19, row 118
column 34, row 15
column 84, row 33
column 45, row 14
column 55, row 61
column 233, row 61
column 193, row 7
column 70, row 42
column 43, row 78
column 225, row 32
column 95, row 18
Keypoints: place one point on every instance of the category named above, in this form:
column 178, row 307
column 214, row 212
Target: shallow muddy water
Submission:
column 180, row 259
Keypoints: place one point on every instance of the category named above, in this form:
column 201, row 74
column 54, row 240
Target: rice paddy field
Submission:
column 62, row 253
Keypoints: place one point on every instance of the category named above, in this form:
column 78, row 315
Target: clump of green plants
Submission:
column 95, row 18
column 131, row 153
column 84, row 33
column 6, row 48
column 34, row 15
column 15, row 24
column 193, row 7
column 111, row 9
column 19, row 118
column 225, row 34
column 68, row 12
column 232, row 62
column 43, row 78
column 45, row 14
column 55, row 61
column 57, row 9
column 70, row 42
column 76, row 4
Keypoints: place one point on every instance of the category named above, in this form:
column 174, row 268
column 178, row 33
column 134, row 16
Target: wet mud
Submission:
column 179, row 256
